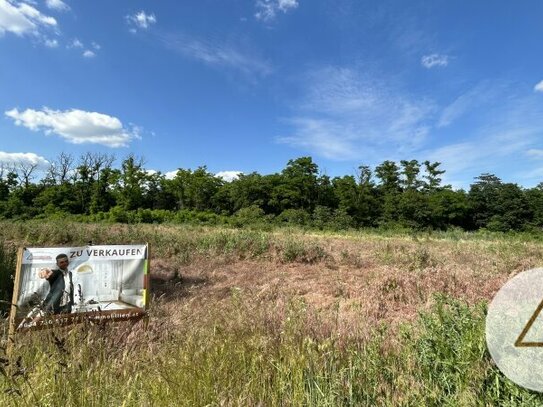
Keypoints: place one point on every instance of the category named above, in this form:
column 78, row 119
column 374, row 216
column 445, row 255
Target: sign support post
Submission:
column 15, row 296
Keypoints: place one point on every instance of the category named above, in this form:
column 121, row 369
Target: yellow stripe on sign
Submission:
column 144, row 298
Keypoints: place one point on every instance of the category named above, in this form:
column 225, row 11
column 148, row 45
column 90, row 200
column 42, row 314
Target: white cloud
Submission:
column 51, row 43
column 76, row 126
column 484, row 153
column 141, row 20
column 14, row 159
column 539, row 87
column 75, row 44
column 328, row 138
column 430, row 61
column 229, row 176
column 504, row 127
column 267, row 9
column 535, row 152
column 89, row 51
column 535, row 175
column 346, row 114
column 485, row 94
column 225, row 175
column 168, row 175
column 216, row 53
column 21, row 19
column 57, row 5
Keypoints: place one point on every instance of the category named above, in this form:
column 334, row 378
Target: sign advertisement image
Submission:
column 62, row 285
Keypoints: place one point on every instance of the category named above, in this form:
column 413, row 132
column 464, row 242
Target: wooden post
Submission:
column 147, row 286
column 148, row 278
column 15, row 297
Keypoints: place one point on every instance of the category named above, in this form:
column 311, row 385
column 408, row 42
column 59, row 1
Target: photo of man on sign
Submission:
column 64, row 284
column 60, row 298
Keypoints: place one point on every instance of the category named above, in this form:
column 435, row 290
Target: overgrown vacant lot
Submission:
column 245, row 317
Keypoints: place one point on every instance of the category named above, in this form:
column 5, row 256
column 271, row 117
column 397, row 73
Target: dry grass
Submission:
column 366, row 281
column 255, row 318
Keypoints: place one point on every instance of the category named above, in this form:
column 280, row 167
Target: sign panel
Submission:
column 62, row 285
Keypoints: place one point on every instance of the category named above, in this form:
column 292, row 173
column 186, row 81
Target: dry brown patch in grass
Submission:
column 361, row 283
column 164, row 270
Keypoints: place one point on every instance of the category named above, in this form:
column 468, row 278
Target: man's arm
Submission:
column 48, row 274
column 45, row 273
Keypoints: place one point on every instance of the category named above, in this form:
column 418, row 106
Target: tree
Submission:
column 325, row 192
column 389, row 176
column 196, row 190
column 60, row 170
column 248, row 190
column 413, row 208
column 8, row 182
column 158, row 192
column 131, row 183
column 512, row 211
column 87, row 173
column 450, row 208
column 410, row 172
column 433, row 179
column 499, row 206
column 26, row 172
column 483, row 195
column 389, row 191
column 534, row 197
column 102, row 192
column 347, row 192
column 300, row 184
column 368, row 206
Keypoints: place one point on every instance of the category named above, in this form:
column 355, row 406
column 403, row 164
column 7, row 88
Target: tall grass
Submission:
column 242, row 355
column 249, row 350
column 184, row 243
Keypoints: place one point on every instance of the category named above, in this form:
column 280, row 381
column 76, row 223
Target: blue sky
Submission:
column 246, row 85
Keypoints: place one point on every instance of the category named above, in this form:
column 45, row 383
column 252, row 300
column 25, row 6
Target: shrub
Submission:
column 322, row 215
column 294, row 217
column 250, row 215
column 341, row 220
column 8, row 256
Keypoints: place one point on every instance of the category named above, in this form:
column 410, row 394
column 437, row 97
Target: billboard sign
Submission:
column 63, row 285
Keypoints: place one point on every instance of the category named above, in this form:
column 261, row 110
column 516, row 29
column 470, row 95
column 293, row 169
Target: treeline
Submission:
column 409, row 194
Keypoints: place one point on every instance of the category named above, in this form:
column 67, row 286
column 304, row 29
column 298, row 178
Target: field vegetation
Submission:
column 278, row 317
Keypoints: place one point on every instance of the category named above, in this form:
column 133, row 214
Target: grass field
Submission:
column 280, row 318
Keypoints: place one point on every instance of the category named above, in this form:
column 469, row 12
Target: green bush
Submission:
column 119, row 214
column 199, row 217
column 341, row 220
column 298, row 217
column 152, row 216
column 322, row 216
column 453, row 362
column 8, row 255
column 248, row 216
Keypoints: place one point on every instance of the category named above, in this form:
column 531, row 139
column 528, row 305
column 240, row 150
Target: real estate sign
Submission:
column 63, row 285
